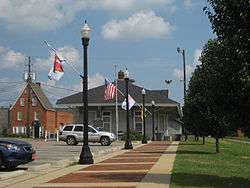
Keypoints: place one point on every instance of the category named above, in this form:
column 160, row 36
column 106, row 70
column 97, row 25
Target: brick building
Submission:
column 42, row 116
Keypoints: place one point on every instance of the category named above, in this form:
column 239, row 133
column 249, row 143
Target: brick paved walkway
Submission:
column 125, row 171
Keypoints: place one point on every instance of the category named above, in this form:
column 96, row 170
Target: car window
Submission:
column 78, row 128
column 91, row 130
column 68, row 128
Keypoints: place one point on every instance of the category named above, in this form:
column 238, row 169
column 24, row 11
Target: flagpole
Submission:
column 116, row 103
column 54, row 50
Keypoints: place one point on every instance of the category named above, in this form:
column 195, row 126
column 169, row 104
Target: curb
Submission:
column 11, row 174
column 39, row 167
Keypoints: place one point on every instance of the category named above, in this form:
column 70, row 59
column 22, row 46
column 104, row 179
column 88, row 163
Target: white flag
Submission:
column 131, row 103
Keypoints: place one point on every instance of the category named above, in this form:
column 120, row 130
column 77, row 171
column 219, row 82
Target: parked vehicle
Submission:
column 72, row 134
column 15, row 152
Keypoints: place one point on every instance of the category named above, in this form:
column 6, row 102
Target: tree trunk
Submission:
column 203, row 140
column 217, row 145
column 186, row 137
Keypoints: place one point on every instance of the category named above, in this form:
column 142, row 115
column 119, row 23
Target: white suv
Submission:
column 73, row 133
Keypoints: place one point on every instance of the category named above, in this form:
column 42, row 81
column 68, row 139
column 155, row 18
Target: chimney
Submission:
column 38, row 84
column 120, row 75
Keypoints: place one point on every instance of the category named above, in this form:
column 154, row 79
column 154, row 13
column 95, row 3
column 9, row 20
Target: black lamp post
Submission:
column 143, row 93
column 153, row 120
column 128, row 143
column 180, row 51
column 86, row 156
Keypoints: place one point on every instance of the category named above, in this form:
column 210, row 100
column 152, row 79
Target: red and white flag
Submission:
column 110, row 90
column 56, row 72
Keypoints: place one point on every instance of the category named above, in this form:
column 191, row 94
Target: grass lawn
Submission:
column 240, row 138
column 198, row 165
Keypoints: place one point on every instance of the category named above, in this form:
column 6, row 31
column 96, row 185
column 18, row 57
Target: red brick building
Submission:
column 42, row 116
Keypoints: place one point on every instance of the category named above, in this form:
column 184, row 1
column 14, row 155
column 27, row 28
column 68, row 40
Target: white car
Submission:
column 72, row 134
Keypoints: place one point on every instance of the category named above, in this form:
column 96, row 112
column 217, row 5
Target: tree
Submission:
column 230, row 20
column 206, row 105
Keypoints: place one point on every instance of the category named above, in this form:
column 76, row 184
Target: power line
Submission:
column 60, row 87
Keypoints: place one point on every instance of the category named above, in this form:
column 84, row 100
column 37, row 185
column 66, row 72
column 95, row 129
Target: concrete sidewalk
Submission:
column 149, row 165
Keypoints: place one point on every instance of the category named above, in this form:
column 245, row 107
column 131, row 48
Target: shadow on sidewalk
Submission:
column 193, row 152
column 205, row 180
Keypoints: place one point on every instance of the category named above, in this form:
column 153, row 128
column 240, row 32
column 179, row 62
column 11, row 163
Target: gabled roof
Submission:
column 96, row 96
column 39, row 94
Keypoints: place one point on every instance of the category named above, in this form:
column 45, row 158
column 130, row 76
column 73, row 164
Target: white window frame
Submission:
column 36, row 116
column 110, row 116
column 19, row 116
column 22, row 101
column 34, row 101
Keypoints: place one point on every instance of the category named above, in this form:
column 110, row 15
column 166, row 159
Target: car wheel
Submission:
column 9, row 166
column 71, row 140
column 105, row 141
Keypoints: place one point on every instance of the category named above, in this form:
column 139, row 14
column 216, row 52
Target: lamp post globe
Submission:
column 128, row 143
column 153, row 120
column 86, row 156
column 144, row 140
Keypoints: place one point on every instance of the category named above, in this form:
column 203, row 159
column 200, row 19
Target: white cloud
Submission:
column 178, row 73
column 96, row 80
column 10, row 59
column 93, row 81
column 68, row 53
column 188, row 4
column 197, row 55
column 144, row 24
column 48, row 15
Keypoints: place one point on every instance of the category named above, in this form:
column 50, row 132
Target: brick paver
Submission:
column 129, row 167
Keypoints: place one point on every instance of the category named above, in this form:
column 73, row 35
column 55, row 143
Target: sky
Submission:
column 140, row 35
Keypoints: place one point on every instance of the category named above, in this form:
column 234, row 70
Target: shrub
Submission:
column 134, row 136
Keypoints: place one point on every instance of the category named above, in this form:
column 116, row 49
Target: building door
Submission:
column 107, row 120
column 91, row 117
column 138, row 121
column 161, row 126
column 36, row 126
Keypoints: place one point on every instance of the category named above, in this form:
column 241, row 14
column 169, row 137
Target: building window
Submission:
column 36, row 116
column 22, row 100
column 19, row 116
column 34, row 101
column 138, row 121
column 107, row 120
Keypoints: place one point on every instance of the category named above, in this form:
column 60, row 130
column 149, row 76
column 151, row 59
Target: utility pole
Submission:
column 28, row 81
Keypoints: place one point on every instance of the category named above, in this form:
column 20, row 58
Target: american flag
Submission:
column 110, row 90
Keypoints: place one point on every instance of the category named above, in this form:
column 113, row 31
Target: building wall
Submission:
column 164, row 120
column 3, row 119
column 50, row 121
column 63, row 118
column 24, row 109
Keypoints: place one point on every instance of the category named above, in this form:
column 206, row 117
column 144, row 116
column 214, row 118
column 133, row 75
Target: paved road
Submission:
column 52, row 152
column 48, row 152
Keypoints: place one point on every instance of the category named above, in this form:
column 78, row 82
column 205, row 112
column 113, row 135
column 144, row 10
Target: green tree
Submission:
column 230, row 20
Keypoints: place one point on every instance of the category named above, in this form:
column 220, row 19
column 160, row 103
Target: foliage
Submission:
column 218, row 99
column 16, row 135
column 133, row 136
column 230, row 21
column 197, row 165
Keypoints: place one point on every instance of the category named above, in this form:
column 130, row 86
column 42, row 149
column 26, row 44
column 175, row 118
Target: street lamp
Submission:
column 143, row 93
column 128, row 143
column 86, row 156
column 153, row 120
column 182, row 51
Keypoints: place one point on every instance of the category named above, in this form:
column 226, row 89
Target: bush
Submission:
column 16, row 135
column 134, row 136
